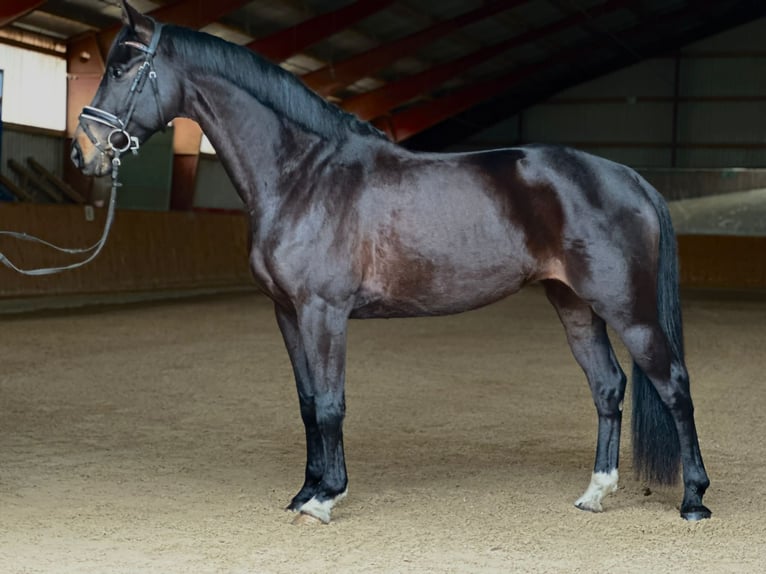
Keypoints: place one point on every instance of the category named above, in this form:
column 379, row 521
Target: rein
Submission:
column 96, row 247
column 114, row 148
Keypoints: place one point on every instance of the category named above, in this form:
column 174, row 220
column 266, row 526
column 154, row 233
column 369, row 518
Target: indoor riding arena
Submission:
column 149, row 419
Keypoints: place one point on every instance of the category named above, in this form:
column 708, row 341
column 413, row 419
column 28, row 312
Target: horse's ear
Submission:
column 140, row 24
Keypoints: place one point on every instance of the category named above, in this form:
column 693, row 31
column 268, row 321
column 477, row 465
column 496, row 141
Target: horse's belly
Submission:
column 418, row 294
column 450, row 256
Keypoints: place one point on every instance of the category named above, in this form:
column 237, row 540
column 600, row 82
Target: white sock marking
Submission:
column 601, row 484
column 322, row 509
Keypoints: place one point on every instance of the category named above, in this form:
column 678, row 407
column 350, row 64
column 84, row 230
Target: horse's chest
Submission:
column 264, row 276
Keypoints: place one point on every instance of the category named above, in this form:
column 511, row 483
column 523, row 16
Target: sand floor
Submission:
column 166, row 438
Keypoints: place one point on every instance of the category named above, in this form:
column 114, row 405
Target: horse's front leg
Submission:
column 315, row 337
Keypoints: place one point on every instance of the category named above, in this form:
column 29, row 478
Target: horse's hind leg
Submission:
column 664, row 432
column 587, row 337
column 655, row 361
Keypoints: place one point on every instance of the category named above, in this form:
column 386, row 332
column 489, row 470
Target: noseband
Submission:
column 120, row 125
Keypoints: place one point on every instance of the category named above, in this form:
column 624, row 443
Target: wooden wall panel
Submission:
column 722, row 261
column 145, row 251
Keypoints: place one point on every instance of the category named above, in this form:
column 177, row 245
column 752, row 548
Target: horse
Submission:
column 346, row 224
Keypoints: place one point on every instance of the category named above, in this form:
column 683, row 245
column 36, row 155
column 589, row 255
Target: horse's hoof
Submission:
column 589, row 506
column 306, row 519
column 696, row 513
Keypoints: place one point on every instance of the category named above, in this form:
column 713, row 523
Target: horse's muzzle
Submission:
column 87, row 158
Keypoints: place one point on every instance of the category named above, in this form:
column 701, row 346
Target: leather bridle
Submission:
column 119, row 139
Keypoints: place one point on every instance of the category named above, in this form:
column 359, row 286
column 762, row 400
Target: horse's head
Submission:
column 132, row 101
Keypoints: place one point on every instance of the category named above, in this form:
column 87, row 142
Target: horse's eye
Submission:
column 117, row 72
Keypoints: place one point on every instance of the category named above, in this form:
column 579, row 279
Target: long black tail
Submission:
column 656, row 448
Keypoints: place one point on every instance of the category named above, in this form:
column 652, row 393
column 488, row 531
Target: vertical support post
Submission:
column 1, row 114
column 676, row 96
column 187, row 137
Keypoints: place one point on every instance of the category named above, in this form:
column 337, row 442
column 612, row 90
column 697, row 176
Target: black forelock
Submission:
column 274, row 87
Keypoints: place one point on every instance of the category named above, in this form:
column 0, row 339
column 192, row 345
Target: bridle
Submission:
column 120, row 126
column 114, row 148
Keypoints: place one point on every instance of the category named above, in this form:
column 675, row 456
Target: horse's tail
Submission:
column 656, row 448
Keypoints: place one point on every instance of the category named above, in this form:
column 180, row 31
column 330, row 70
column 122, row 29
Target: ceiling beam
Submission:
column 713, row 17
column 12, row 10
column 566, row 8
column 190, row 13
column 588, row 26
column 330, row 79
column 414, row 11
column 285, row 43
column 375, row 103
column 91, row 18
column 415, row 119
column 195, row 13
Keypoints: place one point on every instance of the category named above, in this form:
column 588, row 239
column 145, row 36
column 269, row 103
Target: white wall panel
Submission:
column 715, row 77
column 34, row 88
column 599, row 122
column 648, row 78
column 746, row 37
column 721, row 158
column 722, row 101
column 722, row 122
column 634, row 157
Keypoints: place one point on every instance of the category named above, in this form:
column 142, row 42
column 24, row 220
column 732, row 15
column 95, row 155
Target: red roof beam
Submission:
column 195, row 13
column 285, row 43
column 12, row 10
column 330, row 79
column 375, row 103
column 190, row 13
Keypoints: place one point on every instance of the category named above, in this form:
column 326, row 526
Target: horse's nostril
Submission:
column 76, row 155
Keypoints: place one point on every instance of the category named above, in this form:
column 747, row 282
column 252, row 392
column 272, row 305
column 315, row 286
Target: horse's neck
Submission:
column 252, row 142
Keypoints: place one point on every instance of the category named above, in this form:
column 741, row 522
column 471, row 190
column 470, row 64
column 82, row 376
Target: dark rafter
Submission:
column 378, row 102
column 285, row 43
column 190, row 13
column 331, row 79
column 12, row 10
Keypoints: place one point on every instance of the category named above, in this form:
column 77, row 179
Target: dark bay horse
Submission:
column 345, row 224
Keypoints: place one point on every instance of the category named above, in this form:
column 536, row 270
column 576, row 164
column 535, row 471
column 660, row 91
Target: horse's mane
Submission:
column 274, row 87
